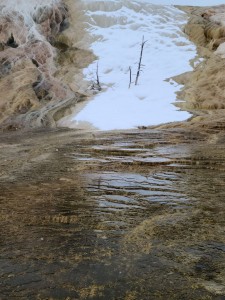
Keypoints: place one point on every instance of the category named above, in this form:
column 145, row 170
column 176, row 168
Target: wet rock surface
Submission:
column 118, row 215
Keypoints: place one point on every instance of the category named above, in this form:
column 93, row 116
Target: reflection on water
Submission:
column 134, row 220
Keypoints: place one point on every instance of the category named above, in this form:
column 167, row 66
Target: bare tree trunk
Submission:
column 130, row 77
column 97, row 79
column 140, row 59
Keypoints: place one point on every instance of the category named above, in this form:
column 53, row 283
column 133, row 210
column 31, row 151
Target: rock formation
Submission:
column 33, row 54
column 205, row 87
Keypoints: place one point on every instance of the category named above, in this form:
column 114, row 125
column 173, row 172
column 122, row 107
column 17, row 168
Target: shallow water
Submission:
column 132, row 215
column 141, row 219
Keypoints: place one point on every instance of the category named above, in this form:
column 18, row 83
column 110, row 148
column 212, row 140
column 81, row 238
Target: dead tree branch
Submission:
column 96, row 85
column 130, row 77
column 140, row 60
column 97, row 79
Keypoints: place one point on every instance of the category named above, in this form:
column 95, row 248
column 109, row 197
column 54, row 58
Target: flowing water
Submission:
column 138, row 215
column 118, row 215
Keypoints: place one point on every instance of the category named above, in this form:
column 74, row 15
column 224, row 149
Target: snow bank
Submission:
column 116, row 29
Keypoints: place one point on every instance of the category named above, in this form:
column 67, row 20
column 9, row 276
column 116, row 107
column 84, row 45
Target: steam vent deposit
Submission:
column 111, row 190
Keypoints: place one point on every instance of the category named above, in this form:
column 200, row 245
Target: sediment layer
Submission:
column 36, row 59
column 204, row 88
column 126, row 215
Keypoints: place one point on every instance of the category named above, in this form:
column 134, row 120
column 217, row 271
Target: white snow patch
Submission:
column 188, row 2
column 117, row 28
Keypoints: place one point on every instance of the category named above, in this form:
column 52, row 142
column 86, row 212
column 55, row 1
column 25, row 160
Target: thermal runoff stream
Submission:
column 116, row 29
column 104, row 215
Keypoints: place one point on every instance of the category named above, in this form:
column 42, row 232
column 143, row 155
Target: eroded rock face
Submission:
column 28, row 85
column 206, row 27
column 205, row 86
